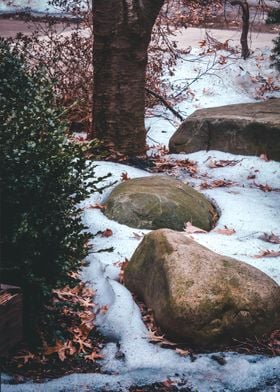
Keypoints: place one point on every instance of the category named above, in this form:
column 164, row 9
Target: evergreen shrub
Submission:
column 273, row 17
column 44, row 177
column 275, row 57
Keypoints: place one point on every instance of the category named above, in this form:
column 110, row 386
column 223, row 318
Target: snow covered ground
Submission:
column 18, row 5
column 250, row 205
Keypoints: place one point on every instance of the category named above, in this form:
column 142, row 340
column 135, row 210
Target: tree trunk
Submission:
column 245, row 26
column 122, row 32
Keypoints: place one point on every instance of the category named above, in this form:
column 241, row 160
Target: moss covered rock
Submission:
column 159, row 202
column 199, row 297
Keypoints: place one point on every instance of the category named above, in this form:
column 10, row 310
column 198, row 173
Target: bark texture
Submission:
column 245, row 26
column 122, row 32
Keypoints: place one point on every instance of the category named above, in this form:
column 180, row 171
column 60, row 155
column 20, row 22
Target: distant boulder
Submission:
column 199, row 297
column 157, row 202
column 246, row 129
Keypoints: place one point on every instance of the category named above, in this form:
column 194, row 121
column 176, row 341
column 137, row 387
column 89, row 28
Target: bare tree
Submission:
column 245, row 26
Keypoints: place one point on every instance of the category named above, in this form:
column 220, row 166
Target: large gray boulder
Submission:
column 247, row 129
column 199, row 297
column 157, row 202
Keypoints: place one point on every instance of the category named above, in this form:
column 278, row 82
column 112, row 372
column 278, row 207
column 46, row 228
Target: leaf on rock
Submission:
column 190, row 229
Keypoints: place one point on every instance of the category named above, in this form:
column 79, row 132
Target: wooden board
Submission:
column 10, row 317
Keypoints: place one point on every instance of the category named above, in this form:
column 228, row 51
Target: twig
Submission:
column 165, row 103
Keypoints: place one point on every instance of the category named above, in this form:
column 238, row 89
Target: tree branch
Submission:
column 165, row 103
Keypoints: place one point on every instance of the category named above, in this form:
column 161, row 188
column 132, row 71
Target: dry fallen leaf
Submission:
column 264, row 188
column 190, row 229
column 155, row 338
column 87, row 302
column 181, row 352
column 25, row 357
column 104, row 309
column 163, row 164
column 124, row 176
column 99, row 206
column 64, row 294
column 202, row 43
column 264, row 157
column 83, row 343
column 272, row 238
column 222, row 60
column 267, row 253
column 107, row 233
column 221, row 163
column 93, row 356
column 225, row 231
column 123, row 265
column 60, row 349
column 216, row 184
column 274, row 343
column 167, row 384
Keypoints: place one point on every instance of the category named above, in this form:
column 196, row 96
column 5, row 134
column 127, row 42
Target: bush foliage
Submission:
column 274, row 18
column 275, row 57
column 43, row 179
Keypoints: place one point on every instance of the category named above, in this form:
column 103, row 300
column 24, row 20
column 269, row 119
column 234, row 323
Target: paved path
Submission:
column 191, row 36
column 10, row 27
column 185, row 37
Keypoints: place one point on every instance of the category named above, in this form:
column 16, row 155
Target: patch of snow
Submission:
column 20, row 5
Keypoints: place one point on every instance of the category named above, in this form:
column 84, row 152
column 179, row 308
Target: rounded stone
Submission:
column 199, row 297
column 159, row 202
column 247, row 129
